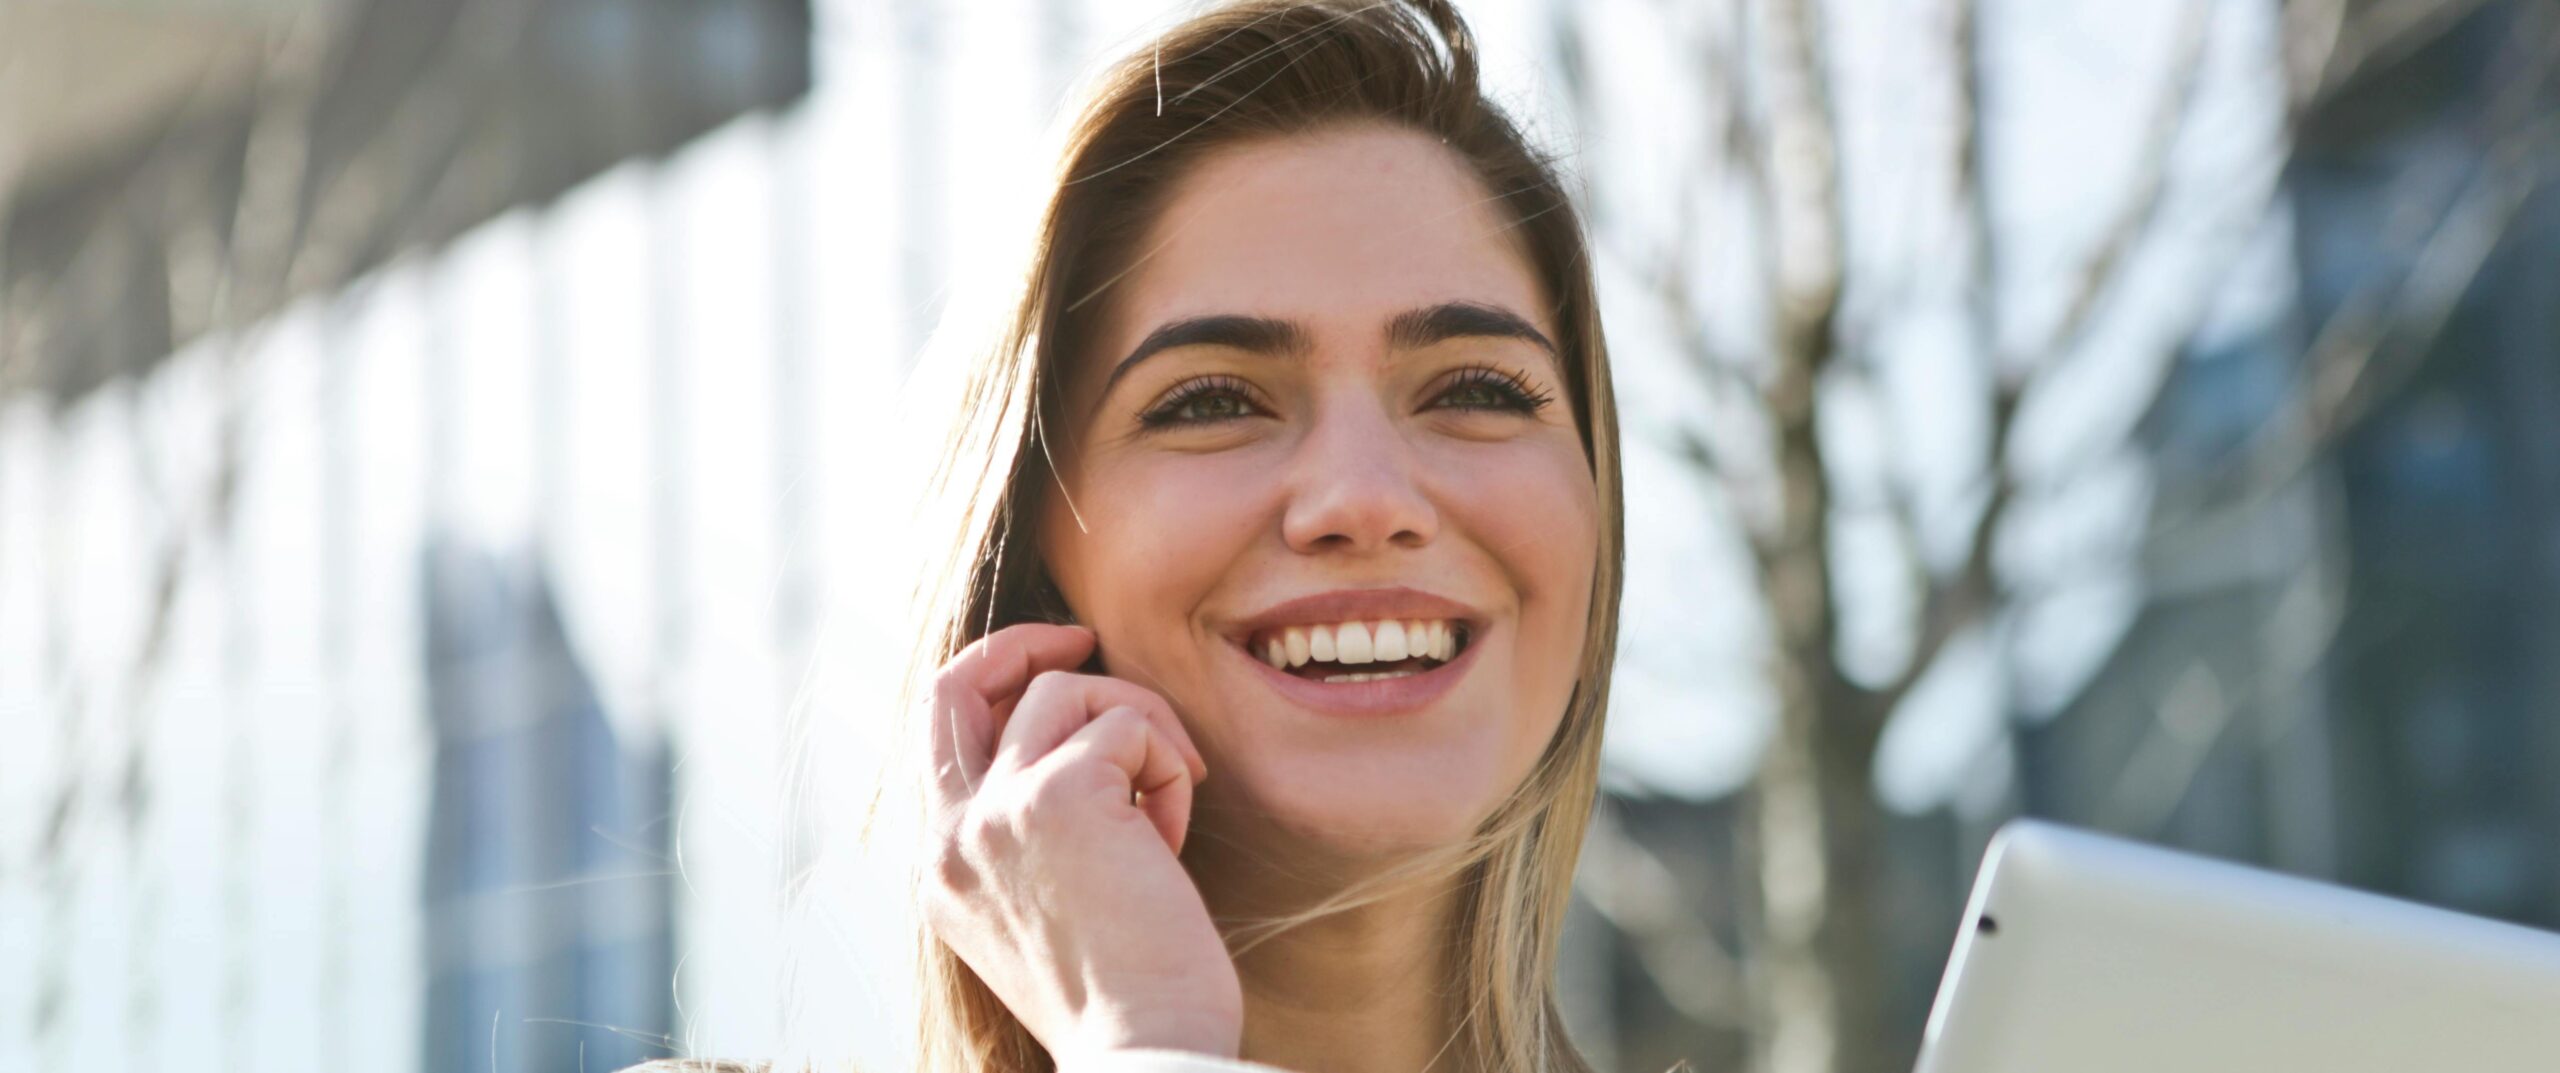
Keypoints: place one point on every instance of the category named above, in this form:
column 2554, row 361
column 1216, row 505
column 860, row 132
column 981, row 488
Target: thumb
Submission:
column 1167, row 805
column 1158, row 773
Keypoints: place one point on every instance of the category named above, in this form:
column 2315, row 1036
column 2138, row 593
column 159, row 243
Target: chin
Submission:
column 1368, row 809
column 1361, row 791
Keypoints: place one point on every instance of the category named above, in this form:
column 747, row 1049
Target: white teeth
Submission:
column 1369, row 676
column 1320, row 644
column 1388, row 645
column 1384, row 641
column 1351, row 643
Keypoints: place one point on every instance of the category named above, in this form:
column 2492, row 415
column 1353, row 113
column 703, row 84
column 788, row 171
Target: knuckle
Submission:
column 1120, row 723
column 990, row 834
column 947, row 688
column 986, row 644
column 1051, row 801
column 946, row 916
column 1047, row 682
column 954, row 874
column 1129, row 729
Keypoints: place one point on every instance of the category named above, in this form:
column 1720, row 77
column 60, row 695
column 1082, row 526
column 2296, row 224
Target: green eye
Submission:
column 1205, row 401
column 1477, row 396
column 1214, row 407
column 1483, row 387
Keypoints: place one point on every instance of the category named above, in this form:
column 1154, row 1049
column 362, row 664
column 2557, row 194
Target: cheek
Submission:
column 1535, row 512
column 1159, row 535
column 1531, row 505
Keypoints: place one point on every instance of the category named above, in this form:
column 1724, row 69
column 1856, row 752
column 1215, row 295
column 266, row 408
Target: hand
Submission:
column 1062, row 893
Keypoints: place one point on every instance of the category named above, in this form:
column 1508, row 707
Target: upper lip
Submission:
column 1358, row 605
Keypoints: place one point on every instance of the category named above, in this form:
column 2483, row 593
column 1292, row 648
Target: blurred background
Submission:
column 444, row 442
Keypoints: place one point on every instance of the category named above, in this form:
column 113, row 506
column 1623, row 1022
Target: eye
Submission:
column 1206, row 401
column 1483, row 387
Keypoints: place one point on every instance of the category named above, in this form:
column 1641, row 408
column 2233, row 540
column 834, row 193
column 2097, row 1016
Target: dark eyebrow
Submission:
column 1411, row 329
column 1418, row 328
column 1259, row 335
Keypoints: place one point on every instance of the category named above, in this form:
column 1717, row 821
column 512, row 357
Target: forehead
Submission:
column 1339, row 229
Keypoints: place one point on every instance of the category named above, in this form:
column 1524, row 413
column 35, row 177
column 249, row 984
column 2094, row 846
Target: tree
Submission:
column 1798, row 356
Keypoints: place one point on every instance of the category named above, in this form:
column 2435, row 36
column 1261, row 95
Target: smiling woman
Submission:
column 1268, row 682
column 1262, row 697
column 1378, row 456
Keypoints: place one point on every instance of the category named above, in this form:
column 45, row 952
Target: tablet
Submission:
column 2090, row 954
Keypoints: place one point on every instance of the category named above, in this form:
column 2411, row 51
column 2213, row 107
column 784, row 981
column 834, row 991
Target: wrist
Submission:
column 1104, row 1041
column 1141, row 1060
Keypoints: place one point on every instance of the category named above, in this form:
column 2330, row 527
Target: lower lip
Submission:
column 1384, row 696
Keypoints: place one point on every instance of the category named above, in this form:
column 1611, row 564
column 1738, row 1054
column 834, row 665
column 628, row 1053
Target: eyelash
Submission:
column 1515, row 391
column 1163, row 412
column 1514, row 394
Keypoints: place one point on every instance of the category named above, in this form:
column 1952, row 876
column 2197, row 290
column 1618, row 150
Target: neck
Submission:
column 1361, row 990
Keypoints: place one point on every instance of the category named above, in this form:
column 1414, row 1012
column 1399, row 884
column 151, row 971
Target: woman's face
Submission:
column 1327, row 395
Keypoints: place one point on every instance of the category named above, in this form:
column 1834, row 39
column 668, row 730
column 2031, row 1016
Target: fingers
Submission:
column 1126, row 743
column 972, row 692
column 1002, row 663
column 1058, row 704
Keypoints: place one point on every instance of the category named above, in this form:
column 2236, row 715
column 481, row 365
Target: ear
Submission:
column 1047, row 600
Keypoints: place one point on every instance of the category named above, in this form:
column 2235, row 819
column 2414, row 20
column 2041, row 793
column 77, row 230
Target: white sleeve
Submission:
column 1156, row 1061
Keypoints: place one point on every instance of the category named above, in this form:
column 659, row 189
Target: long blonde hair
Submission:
column 1259, row 69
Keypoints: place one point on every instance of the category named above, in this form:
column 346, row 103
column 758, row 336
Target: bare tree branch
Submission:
column 2366, row 351
column 12, row 351
column 1949, row 605
column 1804, row 168
column 2311, row 30
column 1972, row 592
column 1809, row 824
column 2199, row 711
column 2342, row 42
column 1676, row 290
column 2381, row 335
column 1806, row 283
column 1970, row 165
column 2136, row 219
column 1631, row 888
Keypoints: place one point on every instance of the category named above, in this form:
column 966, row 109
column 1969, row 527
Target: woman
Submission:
column 1318, row 382
column 1266, row 689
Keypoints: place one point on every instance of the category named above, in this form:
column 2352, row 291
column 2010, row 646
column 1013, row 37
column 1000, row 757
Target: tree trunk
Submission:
column 1814, row 835
column 1813, row 831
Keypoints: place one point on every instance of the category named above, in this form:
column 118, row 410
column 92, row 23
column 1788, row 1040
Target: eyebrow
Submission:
column 1411, row 329
column 1417, row 328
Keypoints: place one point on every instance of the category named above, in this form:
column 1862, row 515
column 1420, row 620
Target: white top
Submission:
column 1155, row 1061
column 1142, row 1060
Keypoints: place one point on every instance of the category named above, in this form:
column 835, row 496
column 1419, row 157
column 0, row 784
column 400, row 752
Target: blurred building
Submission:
column 2346, row 670
column 306, row 787
column 550, row 881
column 171, row 168
column 2446, row 692
column 2344, row 661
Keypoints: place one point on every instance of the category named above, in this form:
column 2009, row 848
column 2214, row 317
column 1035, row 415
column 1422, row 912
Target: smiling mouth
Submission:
column 1350, row 652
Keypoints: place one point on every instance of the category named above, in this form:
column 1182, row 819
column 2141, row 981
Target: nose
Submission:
column 1353, row 483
